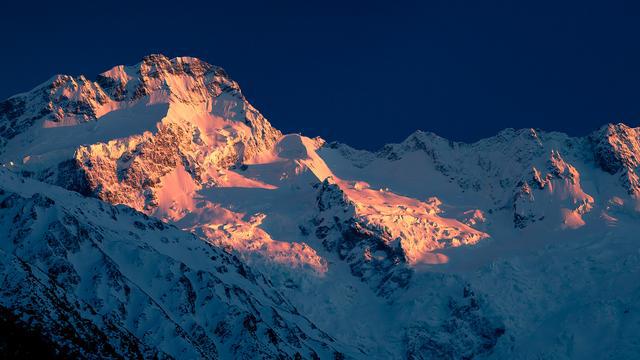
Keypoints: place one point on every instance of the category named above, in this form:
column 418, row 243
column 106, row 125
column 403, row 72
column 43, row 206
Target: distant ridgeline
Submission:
column 154, row 212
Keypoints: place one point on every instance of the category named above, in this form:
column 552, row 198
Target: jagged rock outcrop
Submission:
column 60, row 101
column 381, row 239
column 617, row 151
column 556, row 194
column 369, row 253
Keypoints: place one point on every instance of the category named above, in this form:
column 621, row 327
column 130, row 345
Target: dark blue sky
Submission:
column 362, row 73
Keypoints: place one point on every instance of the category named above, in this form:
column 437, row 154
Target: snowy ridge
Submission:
column 185, row 113
column 428, row 248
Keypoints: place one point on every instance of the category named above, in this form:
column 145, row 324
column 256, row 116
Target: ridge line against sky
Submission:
column 364, row 74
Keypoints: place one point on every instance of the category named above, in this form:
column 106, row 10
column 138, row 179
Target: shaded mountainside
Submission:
column 109, row 281
column 153, row 212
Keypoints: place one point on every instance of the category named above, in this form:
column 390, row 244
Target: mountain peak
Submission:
column 344, row 236
column 617, row 146
column 154, row 63
column 65, row 100
column 182, row 77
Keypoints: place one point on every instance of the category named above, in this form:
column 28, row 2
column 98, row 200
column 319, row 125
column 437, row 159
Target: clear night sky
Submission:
column 366, row 73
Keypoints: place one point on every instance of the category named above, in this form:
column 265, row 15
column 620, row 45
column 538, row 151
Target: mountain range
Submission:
column 153, row 212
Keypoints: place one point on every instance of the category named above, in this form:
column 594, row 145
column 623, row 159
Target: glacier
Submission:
column 154, row 212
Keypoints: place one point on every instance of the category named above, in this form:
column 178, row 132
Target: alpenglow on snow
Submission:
column 154, row 212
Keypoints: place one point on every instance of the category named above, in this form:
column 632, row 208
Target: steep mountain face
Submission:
column 110, row 282
column 617, row 150
column 425, row 249
column 186, row 114
column 545, row 194
column 382, row 235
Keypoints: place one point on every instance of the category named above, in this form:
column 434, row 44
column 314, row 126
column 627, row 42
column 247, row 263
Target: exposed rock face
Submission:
column 617, row 151
column 59, row 101
column 543, row 195
column 380, row 239
column 368, row 252
column 208, row 124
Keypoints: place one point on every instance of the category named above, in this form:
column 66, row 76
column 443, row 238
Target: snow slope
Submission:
column 109, row 281
column 503, row 248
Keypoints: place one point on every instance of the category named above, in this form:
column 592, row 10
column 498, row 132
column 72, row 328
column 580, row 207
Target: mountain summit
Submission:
column 154, row 212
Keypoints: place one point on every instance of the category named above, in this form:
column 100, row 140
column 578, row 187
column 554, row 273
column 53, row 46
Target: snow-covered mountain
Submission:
column 522, row 245
column 106, row 280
